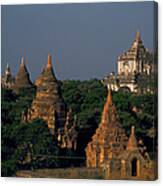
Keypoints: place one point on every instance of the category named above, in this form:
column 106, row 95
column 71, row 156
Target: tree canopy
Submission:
column 26, row 146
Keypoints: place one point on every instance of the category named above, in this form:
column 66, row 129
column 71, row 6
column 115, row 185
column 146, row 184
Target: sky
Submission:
column 84, row 40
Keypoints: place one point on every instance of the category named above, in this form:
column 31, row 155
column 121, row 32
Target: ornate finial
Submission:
column 7, row 72
column 49, row 64
column 132, row 142
column 133, row 130
column 138, row 35
column 22, row 62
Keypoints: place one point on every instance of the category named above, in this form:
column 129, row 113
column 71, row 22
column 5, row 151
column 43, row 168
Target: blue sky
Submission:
column 83, row 39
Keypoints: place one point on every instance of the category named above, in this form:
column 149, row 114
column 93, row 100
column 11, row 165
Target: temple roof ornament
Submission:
column 49, row 63
column 132, row 142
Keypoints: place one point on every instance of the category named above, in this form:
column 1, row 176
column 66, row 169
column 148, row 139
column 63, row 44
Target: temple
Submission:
column 22, row 80
column 7, row 80
column 49, row 106
column 112, row 151
column 135, row 69
column 48, row 103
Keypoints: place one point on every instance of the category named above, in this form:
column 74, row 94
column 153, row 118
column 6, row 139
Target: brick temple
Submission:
column 22, row 80
column 112, row 151
column 49, row 106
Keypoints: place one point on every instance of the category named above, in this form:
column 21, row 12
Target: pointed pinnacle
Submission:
column 49, row 63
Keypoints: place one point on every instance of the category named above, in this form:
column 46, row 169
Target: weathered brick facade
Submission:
column 48, row 103
column 49, row 106
column 112, row 151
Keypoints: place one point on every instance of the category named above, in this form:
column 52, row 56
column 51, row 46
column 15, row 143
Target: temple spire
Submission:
column 22, row 62
column 8, row 71
column 109, row 115
column 132, row 142
column 49, row 63
column 137, row 35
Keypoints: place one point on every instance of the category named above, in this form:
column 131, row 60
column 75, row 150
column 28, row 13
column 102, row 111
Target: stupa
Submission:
column 22, row 80
column 48, row 103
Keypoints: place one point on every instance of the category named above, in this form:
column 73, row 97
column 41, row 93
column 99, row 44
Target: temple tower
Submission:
column 22, row 78
column 135, row 60
column 111, row 150
column 135, row 69
column 48, row 103
column 7, row 80
column 109, row 139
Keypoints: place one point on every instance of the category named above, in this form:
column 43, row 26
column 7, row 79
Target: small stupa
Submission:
column 22, row 80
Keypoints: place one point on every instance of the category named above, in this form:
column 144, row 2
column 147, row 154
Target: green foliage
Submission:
column 86, row 98
column 144, row 119
column 16, row 136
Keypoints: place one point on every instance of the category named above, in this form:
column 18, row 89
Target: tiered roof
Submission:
column 136, row 51
column 22, row 78
column 109, row 139
column 48, row 103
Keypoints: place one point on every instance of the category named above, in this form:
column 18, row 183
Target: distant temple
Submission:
column 7, row 80
column 48, row 104
column 112, row 151
column 135, row 69
column 22, row 80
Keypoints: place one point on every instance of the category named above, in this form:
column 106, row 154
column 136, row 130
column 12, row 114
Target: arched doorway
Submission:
column 134, row 167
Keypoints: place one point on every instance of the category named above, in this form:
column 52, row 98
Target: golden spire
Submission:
column 137, row 35
column 109, row 114
column 49, row 64
column 22, row 62
column 132, row 142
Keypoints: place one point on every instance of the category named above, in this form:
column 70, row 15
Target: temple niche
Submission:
column 113, row 152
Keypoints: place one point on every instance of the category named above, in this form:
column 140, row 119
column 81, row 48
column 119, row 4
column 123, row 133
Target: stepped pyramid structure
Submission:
column 113, row 152
column 109, row 139
column 22, row 79
column 135, row 67
column 48, row 103
column 7, row 80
